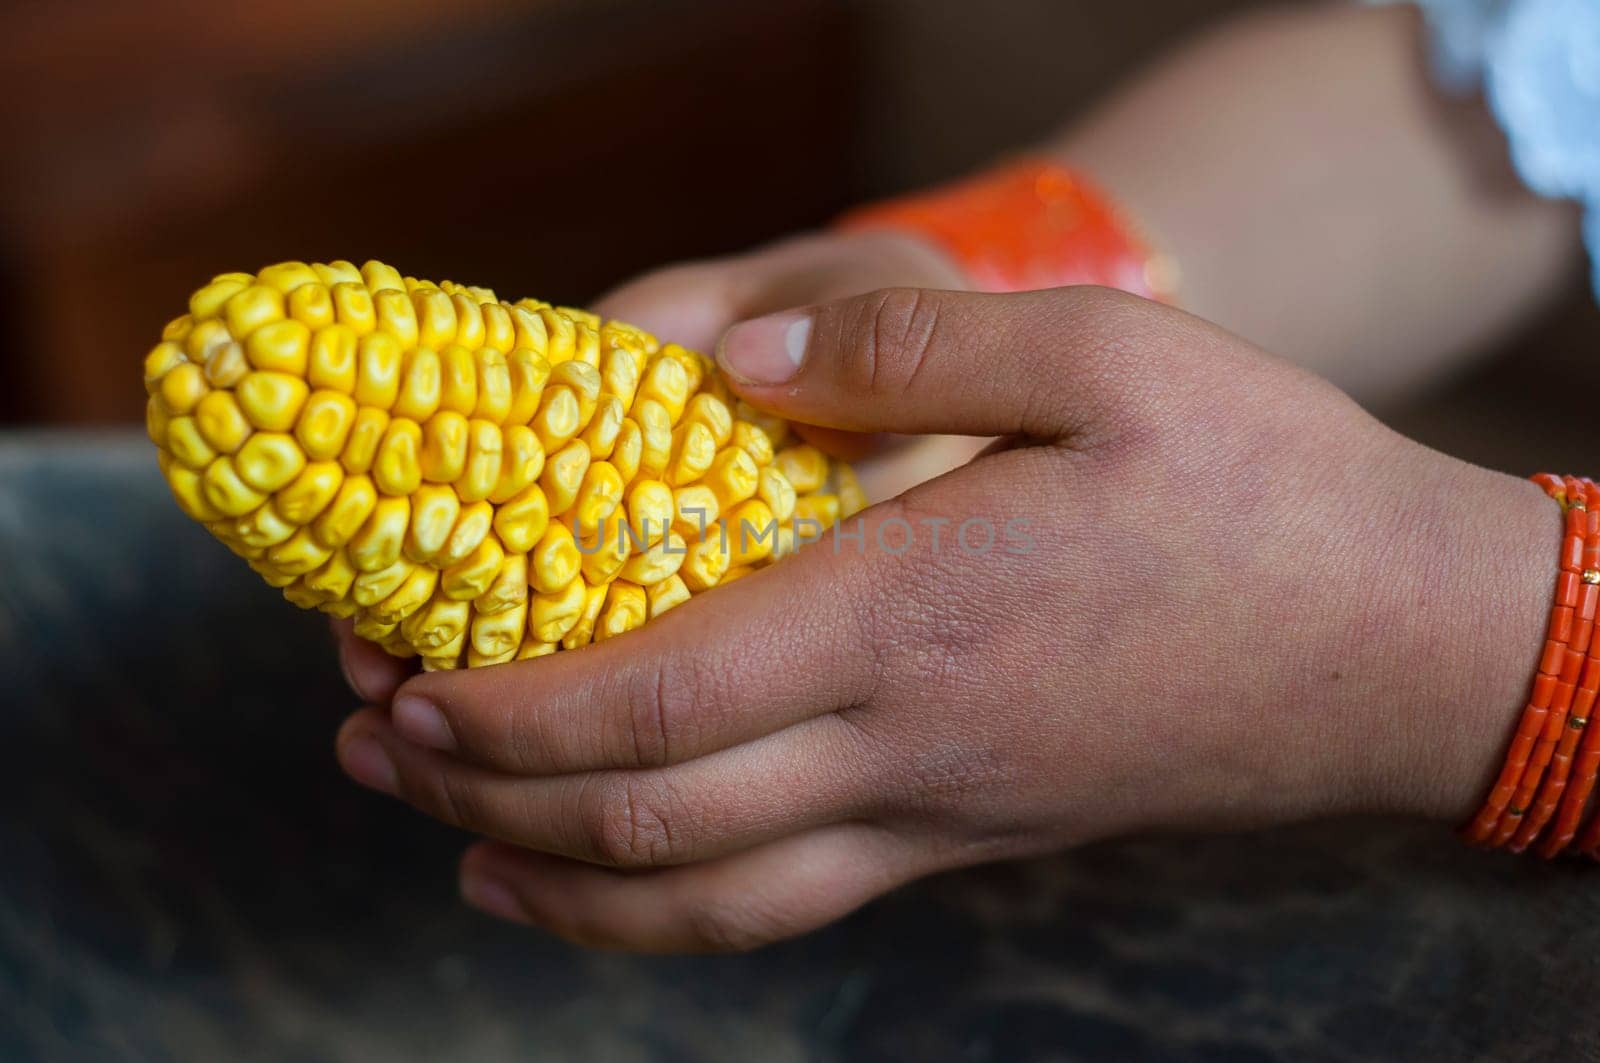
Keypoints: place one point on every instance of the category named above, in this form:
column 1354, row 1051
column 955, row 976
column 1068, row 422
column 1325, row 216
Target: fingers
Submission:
column 739, row 902
column 782, row 645
column 1041, row 364
column 371, row 673
column 653, row 818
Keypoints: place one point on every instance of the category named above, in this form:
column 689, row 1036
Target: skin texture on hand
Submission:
column 1246, row 602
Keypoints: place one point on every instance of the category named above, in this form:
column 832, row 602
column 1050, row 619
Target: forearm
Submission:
column 1322, row 200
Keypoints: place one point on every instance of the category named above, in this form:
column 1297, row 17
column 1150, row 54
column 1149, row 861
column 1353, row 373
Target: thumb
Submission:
column 1040, row 363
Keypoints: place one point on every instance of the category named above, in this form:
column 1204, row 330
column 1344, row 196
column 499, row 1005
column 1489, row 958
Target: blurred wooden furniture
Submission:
column 549, row 148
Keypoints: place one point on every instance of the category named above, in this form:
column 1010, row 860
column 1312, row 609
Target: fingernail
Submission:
column 768, row 350
column 492, row 896
column 350, row 677
column 421, row 722
column 367, row 763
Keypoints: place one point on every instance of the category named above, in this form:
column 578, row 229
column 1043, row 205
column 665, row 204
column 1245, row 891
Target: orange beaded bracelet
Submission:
column 1554, row 756
column 1029, row 224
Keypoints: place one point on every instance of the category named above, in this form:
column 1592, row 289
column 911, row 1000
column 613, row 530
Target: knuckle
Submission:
column 660, row 714
column 458, row 802
column 627, row 823
column 891, row 337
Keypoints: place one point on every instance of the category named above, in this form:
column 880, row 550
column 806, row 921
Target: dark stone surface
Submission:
column 185, row 875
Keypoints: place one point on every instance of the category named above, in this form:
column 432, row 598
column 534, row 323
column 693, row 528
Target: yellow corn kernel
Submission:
column 658, row 562
column 605, row 550
column 499, row 331
column 737, row 572
column 434, row 509
column 821, row 509
column 182, row 388
column 582, row 632
column 458, row 385
column 554, row 337
column 270, row 401
column 298, row 554
column 628, row 449
column 324, row 424
column 551, row 616
column 753, row 441
column 625, row 608
column 395, row 645
column 521, row 521
column 752, row 532
column 205, row 339
column 269, row 460
column 714, row 414
column 499, row 634
column 378, row 359
column 508, row 589
column 484, row 452
column 361, row 446
column 336, row 272
column 563, row 475
column 287, row 276
column 436, row 319
column 471, row 528
column 280, row 347
column 221, row 421
column 226, row 492
column 419, row 386
column 619, row 376
column 650, row 511
column 436, row 625
column 209, row 301
column 396, row 316
column 156, row 420
column 554, row 560
column 251, row 308
column 695, row 510
column 370, row 588
column 226, row 366
column 444, row 447
column 377, row 545
column 162, row 359
column 655, row 429
column 469, row 321
column 270, row 575
column 804, row 466
column 397, row 470
column 695, row 366
column 494, row 385
column 557, row 419
column 732, row 477
column 694, row 448
column 776, row 429
column 777, row 492
column 178, row 328
column 348, row 511
column 528, row 373
column 334, row 578
column 352, row 308
column 475, row 574
column 187, row 443
column 520, row 464
column 312, row 306
column 852, row 498
column 788, row 542
column 601, row 435
column 706, row 561
column 532, row 649
column 583, row 380
column 263, row 527
column 412, row 594
column 585, row 339
column 599, row 494
column 189, row 490
column 670, row 592
column 666, row 382
column 331, row 359
column 367, row 627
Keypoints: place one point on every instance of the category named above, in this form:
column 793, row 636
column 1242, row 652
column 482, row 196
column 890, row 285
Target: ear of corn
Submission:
column 471, row 480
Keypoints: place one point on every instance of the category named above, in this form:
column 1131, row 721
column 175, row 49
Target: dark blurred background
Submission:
column 545, row 147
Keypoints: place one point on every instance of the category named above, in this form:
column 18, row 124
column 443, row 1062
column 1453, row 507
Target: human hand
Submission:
column 1246, row 602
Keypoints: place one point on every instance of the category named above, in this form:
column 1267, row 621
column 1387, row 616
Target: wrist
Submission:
column 1464, row 620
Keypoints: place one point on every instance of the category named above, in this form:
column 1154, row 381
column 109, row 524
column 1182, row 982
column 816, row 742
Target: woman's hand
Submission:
column 1228, row 597
column 696, row 302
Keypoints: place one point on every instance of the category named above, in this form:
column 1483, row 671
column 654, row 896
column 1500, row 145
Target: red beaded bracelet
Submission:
column 1029, row 224
column 1554, row 756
